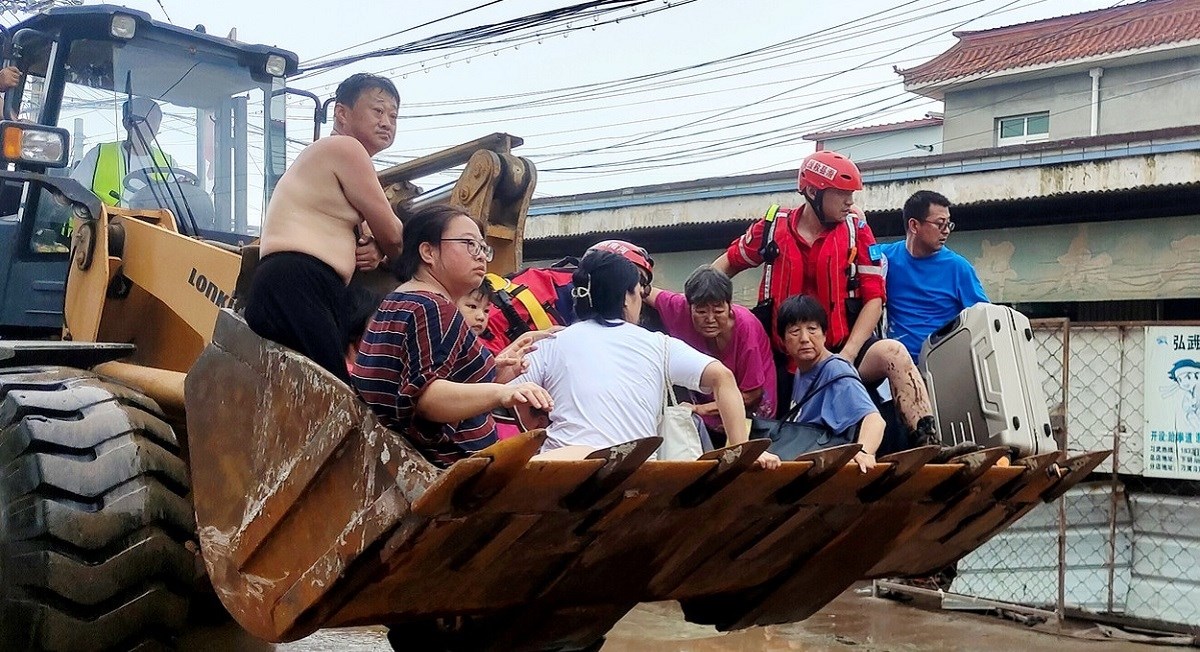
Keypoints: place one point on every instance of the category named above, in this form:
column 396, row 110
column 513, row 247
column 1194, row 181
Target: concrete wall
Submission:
column 971, row 114
column 891, row 144
column 1150, row 96
column 1139, row 97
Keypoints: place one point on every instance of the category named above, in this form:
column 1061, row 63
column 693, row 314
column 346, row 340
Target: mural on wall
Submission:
column 994, row 266
column 1080, row 268
column 1144, row 259
column 1184, row 260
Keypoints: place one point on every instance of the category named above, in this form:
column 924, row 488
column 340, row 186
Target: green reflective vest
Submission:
column 110, row 171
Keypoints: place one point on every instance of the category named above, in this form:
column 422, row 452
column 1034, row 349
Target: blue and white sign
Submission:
column 1172, row 407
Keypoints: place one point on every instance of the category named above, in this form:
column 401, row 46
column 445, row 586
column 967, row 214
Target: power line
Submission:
column 878, row 17
column 772, row 53
column 165, row 14
column 770, row 97
column 495, row 32
column 406, row 30
column 638, row 163
column 703, row 136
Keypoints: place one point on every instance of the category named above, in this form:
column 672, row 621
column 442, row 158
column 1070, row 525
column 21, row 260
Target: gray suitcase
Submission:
column 982, row 373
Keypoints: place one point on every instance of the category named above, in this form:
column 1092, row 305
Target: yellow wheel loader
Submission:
column 150, row 440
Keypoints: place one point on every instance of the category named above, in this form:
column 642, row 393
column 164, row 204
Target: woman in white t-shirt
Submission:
column 605, row 373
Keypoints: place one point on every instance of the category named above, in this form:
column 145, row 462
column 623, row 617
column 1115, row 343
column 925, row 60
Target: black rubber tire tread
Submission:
column 104, row 419
column 117, row 461
column 97, row 535
column 70, row 577
column 125, row 510
column 108, row 631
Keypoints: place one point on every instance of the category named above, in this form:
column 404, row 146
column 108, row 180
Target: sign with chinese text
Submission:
column 1172, row 408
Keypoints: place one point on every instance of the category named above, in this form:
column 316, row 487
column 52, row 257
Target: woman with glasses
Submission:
column 607, row 375
column 419, row 366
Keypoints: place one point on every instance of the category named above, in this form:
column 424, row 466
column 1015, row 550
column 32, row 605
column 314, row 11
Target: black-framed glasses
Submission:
column 475, row 248
column 943, row 226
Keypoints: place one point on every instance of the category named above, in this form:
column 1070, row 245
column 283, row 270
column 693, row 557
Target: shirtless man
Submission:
column 311, row 240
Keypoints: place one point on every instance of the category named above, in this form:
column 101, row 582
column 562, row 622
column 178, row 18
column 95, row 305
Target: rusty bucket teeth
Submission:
column 903, row 465
column 508, row 458
column 438, row 499
column 825, row 464
column 740, row 455
column 1034, row 465
column 1075, row 469
column 974, row 465
column 732, row 461
column 620, row 462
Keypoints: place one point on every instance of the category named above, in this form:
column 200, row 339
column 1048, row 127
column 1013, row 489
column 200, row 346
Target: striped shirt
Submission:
column 414, row 339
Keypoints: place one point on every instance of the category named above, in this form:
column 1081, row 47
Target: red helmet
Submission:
column 629, row 251
column 825, row 169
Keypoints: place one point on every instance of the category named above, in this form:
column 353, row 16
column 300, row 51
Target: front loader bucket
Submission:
column 312, row 515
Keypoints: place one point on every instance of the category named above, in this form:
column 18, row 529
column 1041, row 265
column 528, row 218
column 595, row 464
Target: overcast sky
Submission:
column 737, row 117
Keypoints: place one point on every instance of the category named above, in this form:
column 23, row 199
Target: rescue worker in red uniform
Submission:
column 826, row 250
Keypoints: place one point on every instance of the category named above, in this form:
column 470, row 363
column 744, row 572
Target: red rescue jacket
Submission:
column 821, row 269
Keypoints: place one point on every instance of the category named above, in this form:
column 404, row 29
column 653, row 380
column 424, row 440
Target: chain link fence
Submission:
column 1123, row 546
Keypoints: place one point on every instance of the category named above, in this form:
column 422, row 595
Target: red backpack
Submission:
column 536, row 298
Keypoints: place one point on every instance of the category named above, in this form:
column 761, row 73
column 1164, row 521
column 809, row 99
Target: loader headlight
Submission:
column 33, row 144
column 276, row 65
column 123, row 26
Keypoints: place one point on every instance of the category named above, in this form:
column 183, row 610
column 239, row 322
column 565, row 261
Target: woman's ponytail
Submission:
column 602, row 282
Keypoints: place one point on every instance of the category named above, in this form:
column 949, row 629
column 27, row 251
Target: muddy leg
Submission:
column 889, row 359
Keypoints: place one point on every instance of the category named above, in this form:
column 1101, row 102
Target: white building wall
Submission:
column 891, row 144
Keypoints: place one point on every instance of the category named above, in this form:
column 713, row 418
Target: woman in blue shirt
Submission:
column 839, row 401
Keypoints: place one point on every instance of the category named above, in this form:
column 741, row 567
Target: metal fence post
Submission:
column 1061, row 605
column 1115, row 481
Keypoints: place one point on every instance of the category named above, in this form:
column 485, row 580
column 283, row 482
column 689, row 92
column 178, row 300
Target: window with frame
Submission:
column 1021, row 129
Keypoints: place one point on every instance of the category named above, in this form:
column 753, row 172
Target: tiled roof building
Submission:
column 1140, row 28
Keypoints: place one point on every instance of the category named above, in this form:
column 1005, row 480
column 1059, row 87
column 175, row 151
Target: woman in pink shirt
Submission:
column 706, row 318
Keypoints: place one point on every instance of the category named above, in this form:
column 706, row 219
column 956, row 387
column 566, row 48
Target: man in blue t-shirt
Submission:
column 927, row 283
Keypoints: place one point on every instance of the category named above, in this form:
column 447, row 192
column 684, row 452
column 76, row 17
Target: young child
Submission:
column 476, row 307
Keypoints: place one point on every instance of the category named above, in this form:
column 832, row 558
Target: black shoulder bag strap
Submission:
column 814, row 389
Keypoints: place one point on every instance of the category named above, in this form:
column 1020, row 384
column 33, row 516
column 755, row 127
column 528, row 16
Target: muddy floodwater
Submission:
column 855, row 621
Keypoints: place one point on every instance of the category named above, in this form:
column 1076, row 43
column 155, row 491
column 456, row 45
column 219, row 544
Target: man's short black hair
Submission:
column 801, row 309
column 353, row 86
column 707, row 286
column 917, row 206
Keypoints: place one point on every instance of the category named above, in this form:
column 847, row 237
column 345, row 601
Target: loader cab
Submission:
column 104, row 74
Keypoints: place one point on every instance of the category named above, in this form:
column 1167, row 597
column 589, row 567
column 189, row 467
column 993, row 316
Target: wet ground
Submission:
column 855, row 621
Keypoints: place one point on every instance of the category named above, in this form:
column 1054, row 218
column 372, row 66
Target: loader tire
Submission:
column 97, row 535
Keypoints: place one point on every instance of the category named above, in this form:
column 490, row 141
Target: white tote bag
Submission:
column 681, row 439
